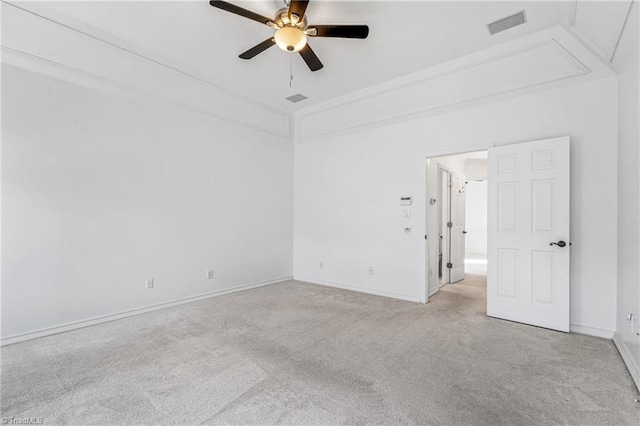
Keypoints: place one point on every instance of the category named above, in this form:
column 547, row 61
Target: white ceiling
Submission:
column 205, row 42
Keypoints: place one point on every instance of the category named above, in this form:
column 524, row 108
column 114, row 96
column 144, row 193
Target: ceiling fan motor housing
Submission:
column 282, row 20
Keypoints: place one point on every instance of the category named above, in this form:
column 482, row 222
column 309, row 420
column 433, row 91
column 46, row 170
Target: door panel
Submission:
column 542, row 199
column 542, row 276
column 508, row 273
column 507, row 206
column 528, row 278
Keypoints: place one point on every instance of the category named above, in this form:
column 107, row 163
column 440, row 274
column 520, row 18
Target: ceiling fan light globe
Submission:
column 290, row 39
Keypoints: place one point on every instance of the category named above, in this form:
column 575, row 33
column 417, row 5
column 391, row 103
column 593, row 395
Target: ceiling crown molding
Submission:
column 600, row 28
column 544, row 60
column 47, row 42
column 76, row 53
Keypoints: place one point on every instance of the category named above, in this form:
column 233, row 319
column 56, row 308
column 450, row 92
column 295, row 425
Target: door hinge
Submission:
column 450, row 184
column 449, row 224
column 449, row 265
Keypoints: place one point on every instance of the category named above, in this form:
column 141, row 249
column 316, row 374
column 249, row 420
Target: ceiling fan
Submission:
column 292, row 30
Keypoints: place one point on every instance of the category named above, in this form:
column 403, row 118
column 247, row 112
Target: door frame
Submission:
column 446, row 241
column 431, row 156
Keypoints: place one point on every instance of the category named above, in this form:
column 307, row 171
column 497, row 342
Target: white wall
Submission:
column 347, row 187
column 476, row 217
column 626, row 65
column 101, row 192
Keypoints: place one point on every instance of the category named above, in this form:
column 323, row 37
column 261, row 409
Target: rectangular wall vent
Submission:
column 296, row 98
column 506, row 23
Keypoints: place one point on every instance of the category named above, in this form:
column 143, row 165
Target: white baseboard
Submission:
column 16, row 338
column 435, row 290
column 591, row 331
column 633, row 368
column 358, row 289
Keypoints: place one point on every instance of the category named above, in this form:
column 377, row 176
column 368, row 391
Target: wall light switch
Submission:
column 406, row 213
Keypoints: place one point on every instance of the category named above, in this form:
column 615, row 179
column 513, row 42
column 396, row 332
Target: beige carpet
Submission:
column 295, row 353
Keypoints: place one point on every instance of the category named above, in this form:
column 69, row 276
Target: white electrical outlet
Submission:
column 321, row 265
column 210, row 274
column 407, row 229
column 371, row 270
column 149, row 283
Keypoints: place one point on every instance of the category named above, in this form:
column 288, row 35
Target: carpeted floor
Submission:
column 296, row 353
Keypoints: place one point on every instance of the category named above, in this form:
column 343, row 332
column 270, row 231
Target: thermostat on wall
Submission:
column 405, row 201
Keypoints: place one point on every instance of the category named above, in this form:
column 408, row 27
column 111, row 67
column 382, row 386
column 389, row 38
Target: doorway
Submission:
column 524, row 260
column 457, row 219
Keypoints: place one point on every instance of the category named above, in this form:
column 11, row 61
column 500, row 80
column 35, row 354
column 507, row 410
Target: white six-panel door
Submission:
column 458, row 196
column 528, row 269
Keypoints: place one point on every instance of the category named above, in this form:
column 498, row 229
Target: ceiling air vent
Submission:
column 296, row 98
column 506, row 23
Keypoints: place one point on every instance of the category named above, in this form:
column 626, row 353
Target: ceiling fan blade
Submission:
column 342, row 31
column 310, row 58
column 259, row 48
column 298, row 7
column 240, row 11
